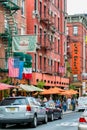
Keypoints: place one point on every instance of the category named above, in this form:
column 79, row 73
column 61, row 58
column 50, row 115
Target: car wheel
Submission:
column 3, row 125
column 45, row 119
column 52, row 117
column 61, row 115
column 34, row 123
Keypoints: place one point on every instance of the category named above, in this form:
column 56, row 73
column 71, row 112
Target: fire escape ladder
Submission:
column 11, row 22
column 10, row 28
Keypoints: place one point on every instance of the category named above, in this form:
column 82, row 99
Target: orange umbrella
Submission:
column 69, row 92
column 54, row 90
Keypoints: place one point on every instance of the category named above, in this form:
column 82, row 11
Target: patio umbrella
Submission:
column 4, row 86
column 54, row 90
column 29, row 88
column 69, row 92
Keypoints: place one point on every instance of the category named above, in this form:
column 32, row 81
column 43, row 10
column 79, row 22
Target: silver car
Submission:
column 82, row 125
column 19, row 110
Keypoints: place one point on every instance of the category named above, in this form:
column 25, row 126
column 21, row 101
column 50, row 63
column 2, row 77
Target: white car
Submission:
column 19, row 110
column 82, row 103
column 82, row 125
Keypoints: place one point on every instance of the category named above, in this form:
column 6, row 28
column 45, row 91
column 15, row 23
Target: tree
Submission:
column 40, row 84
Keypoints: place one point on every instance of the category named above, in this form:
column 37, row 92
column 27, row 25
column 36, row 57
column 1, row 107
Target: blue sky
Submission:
column 76, row 6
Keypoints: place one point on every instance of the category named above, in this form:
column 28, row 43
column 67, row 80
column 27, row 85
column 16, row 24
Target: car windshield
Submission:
column 13, row 101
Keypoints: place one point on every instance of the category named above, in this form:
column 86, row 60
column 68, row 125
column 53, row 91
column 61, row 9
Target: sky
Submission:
column 76, row 6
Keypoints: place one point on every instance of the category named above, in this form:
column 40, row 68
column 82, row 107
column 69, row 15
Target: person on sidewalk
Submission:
column 73, row 103
column 68, row 103
column 64, row 104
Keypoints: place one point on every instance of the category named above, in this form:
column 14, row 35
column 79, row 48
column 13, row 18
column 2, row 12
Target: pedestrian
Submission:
column 64, row 104
column 13, row 94
column 73, row 103
column 68, row 103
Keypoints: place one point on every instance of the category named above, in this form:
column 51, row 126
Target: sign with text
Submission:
column 24, row 43
column 76, row 64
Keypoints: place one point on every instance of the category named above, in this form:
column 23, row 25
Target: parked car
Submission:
column 15, row 110
column 53, row 112
column 82, row 125
column 82, row 103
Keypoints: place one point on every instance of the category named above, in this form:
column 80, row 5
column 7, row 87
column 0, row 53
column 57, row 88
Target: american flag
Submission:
column 61, row 69
column 13, row 68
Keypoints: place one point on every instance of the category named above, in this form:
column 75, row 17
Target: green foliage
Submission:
column 40, row 84
column 6, row 80
column 72, row 87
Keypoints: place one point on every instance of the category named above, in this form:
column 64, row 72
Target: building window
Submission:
column 40, row 62
column 58, row 24
column 44, row 64
column 23, row 7
column 15, row 1
column 35, row 4
column 58, row 4
column 40, row 35
column 22, row 30
column 44, row 11
column 58, row 46
column 75, row 30
column 45, row 38
column 40, row 8
column 35, row 29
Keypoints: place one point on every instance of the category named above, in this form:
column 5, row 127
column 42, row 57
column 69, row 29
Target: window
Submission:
column 40, row 8
column 58, row 46
column 40, row 62
column 44, row 11
column 45, row 38
column 58, row 24
column 15, row 1
column 23, row 7
column 35, row 4
column 75, row 30
column 58, row 4
column 40, row 35
column 35, row 29
column 22, row 30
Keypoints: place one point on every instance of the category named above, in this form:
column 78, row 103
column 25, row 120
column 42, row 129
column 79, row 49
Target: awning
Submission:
column 5, row 86
column 54, row 90
column 78, row 84
column 29, row 88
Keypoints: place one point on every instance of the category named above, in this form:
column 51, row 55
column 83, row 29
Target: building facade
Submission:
column 46, row 20
column 12, row 22
column 77, row 50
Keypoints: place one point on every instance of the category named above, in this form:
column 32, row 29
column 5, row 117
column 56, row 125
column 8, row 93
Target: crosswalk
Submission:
column 68, row 123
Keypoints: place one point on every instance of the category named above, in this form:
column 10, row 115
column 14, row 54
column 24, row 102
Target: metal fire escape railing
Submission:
column 11, row 28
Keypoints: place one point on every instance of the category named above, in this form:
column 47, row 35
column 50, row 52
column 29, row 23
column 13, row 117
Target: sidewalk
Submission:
column 68, row 111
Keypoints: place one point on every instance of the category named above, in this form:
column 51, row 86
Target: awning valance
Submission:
column 29, row 88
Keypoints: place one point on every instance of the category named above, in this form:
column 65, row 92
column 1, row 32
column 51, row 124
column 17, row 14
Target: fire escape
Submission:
column 10, row 27
column 47, row 19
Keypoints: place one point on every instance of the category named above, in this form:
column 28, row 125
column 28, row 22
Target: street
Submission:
column 69, row 122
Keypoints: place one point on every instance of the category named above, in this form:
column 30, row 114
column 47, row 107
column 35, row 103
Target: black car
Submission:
column 53, row 112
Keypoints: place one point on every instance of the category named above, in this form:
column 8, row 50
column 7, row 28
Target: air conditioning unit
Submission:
column 33, row 69
column 36, row 13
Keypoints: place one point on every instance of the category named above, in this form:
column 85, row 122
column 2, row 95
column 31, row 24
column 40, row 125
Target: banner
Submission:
column 84, row 76
column 24, row 43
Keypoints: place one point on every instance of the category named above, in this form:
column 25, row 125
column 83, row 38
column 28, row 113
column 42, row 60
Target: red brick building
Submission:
column 77, row 49
column 46, row 19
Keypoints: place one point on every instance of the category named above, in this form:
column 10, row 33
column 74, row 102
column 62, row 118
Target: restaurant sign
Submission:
column 24, row 43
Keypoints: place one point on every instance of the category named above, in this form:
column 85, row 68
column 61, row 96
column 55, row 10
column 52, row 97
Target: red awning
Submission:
column 5, row 86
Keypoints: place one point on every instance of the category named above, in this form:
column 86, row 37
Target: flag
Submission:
column 27, row 70
column 21, row 65
column 13, row 69
column 61, row 69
